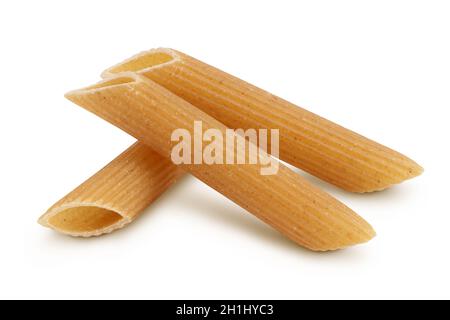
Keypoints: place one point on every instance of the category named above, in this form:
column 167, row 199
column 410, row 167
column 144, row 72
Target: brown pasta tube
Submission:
column 114, row 196
column 307, row 141
column 285, row 200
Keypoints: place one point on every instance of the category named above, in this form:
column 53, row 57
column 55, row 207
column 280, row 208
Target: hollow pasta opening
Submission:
column 112, row 82
column 143, row 61
column 84, row 219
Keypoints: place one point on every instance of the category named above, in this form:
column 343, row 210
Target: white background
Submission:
column 381, row 68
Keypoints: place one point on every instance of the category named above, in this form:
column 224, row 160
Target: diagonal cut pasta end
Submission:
column 354, row 231
column 415, row 170
column 123, row 79
column 411, row 170
column 144, row 61
column 84, row 220
column 365, row 234
column 115, row 196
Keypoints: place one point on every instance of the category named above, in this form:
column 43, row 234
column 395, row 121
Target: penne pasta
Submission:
column 114, row 196
column 285, row 200
column 307, row 141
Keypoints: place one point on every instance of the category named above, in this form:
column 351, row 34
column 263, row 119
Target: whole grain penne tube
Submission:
column 114, row 196
column 284, row 200
column 307, row 141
